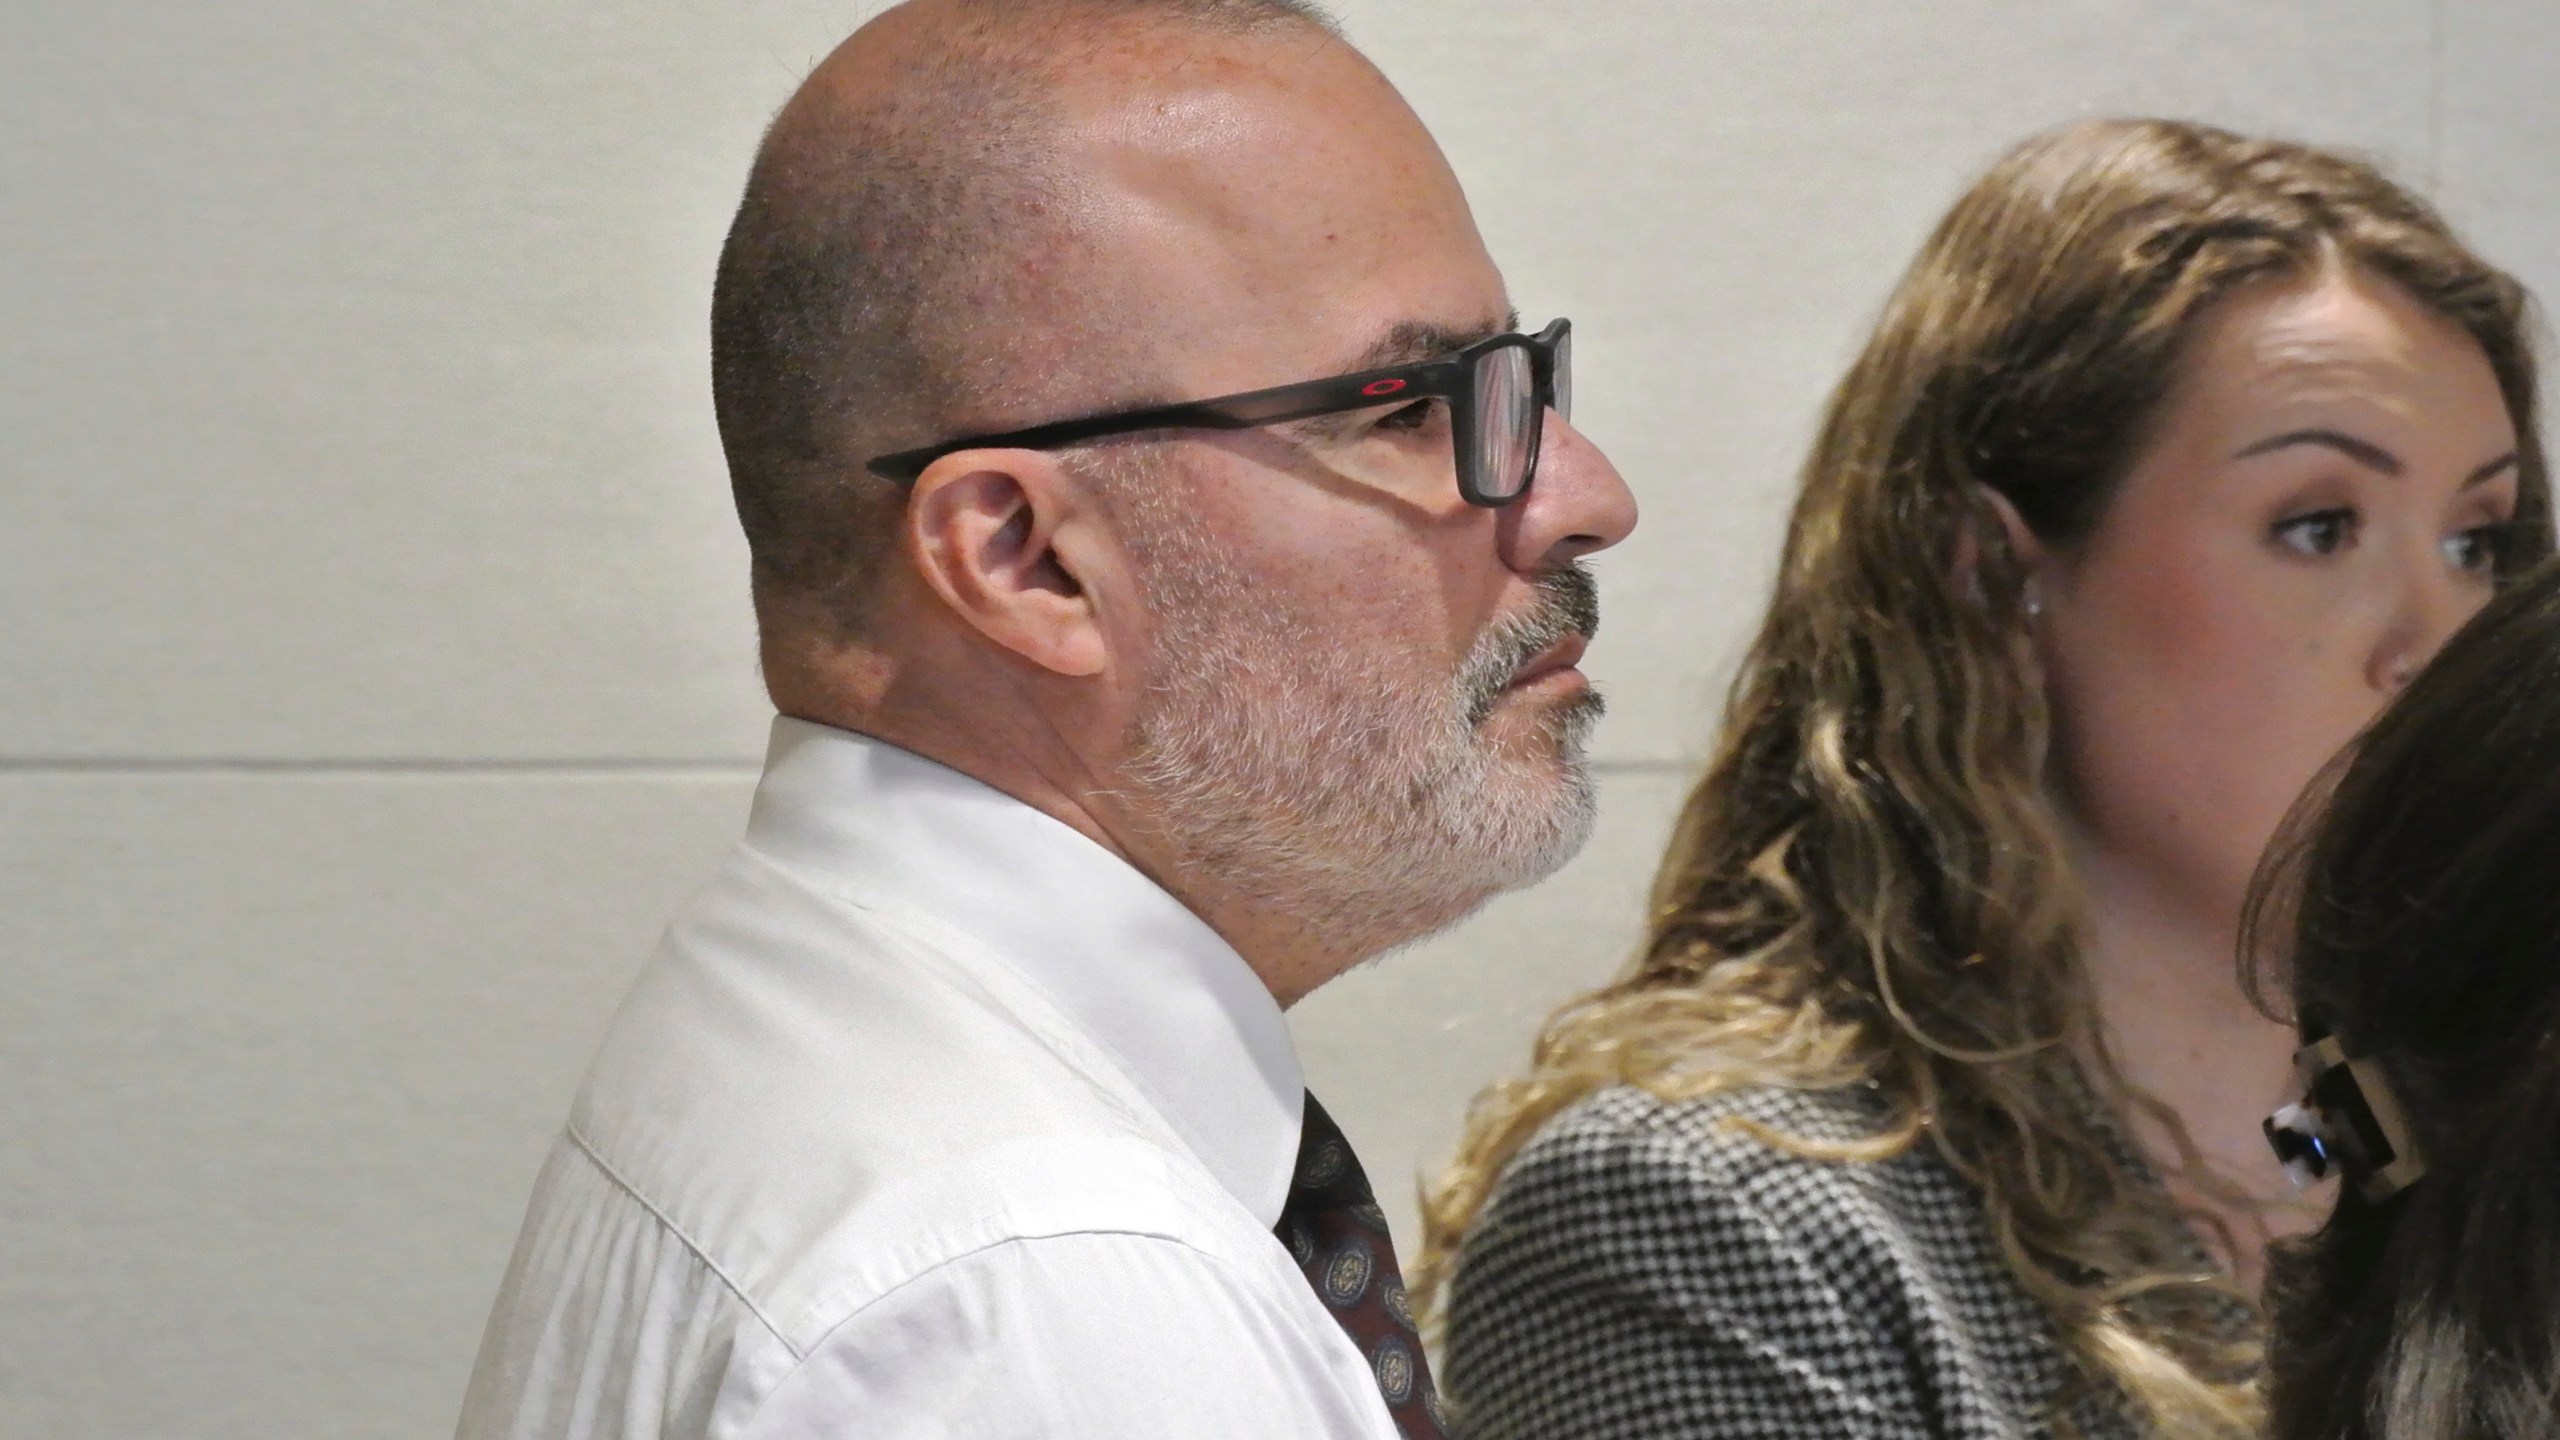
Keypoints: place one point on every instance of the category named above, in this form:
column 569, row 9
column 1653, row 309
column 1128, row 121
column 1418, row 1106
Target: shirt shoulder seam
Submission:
column 728, row 1282
column 1231, row 1275
column 1229, row 1272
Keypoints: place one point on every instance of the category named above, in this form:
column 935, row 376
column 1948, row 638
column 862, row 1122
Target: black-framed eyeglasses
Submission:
column 1498, row 390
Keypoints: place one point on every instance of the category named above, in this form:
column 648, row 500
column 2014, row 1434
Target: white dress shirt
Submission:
column 929, row 1117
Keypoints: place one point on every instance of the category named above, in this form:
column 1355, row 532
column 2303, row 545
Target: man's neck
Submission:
column 1032, row 773
column 1044, row 768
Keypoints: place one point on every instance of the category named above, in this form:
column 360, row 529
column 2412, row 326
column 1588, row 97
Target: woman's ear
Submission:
column 999, row 537
column 2025, row 550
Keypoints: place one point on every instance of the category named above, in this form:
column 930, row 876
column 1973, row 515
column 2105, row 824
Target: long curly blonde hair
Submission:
column 1869, row 883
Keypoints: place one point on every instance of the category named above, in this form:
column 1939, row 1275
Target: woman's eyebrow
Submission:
column 2368, row 454
column 2494, row 469
column 2363, row 452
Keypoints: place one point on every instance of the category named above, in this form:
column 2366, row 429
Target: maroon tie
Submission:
column 1333, row 1226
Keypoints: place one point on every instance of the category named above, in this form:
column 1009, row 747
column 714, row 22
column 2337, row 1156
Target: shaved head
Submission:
column 1291, row 671
column 914, row 257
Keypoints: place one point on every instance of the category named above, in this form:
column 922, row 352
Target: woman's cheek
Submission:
column 2191, row 727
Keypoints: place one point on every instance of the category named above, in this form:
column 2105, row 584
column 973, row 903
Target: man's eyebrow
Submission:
column 1409, row 342
column 2363, row 452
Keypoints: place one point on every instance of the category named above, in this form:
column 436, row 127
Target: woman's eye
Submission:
column 2476, row 551
column 2323, row 532
column 1416, row 416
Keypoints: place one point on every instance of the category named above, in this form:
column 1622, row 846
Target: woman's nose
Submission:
column 2433, row 600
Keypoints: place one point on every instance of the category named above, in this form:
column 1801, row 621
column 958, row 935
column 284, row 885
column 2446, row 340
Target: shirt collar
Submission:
column 1137, row 972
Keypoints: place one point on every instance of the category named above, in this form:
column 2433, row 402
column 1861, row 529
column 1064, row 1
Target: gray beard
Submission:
column 1329, row 791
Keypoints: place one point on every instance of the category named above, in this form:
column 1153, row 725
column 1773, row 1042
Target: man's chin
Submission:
column 1551, row 814
column 1556, row 722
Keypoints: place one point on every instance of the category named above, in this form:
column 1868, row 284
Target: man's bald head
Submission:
column 902, row 265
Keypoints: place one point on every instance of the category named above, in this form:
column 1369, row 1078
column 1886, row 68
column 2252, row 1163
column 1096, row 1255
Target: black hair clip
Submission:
column 2348, row 1121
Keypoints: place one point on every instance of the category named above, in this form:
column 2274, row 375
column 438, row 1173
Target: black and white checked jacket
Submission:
column 1643, row 1270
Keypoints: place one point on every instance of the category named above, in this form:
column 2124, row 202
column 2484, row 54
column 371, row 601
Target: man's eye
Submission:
column 2323, row 532
column 1417, row 416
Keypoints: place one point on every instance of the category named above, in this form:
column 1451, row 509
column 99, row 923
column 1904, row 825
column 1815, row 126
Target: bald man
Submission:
column 1166, row 556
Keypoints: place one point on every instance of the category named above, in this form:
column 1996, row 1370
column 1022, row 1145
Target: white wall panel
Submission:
column 356, row 393
column 355, row 383
column 278, row 1060
column 2498, row 127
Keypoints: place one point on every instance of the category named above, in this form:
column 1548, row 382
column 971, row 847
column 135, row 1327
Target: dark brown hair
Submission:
column 1868, row 884
column 2417, row 918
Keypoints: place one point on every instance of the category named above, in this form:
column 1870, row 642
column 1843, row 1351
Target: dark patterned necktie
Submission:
column 1334, row 1228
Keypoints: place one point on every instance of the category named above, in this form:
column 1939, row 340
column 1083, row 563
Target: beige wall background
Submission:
column 375, row 666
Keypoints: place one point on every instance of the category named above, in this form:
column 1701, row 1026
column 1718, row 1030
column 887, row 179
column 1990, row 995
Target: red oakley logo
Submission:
column 1383, row 387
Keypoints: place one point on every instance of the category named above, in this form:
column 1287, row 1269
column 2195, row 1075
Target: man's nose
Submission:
column 1577, row 504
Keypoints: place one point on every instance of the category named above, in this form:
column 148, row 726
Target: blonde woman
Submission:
column 2172, row 457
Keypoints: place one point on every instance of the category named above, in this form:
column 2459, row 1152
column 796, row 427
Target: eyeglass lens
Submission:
column 1564, row 375
column 1507, row 420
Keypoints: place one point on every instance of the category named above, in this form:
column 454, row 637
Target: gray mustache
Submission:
column 1568, row 604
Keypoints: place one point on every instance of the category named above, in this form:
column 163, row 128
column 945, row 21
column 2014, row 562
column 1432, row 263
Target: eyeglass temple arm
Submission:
column 1276, row 406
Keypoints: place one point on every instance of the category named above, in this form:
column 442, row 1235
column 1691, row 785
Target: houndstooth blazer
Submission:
column 1646, row 1271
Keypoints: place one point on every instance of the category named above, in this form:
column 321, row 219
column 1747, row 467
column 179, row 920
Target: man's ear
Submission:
column 1003, row 538
column 2024, row 547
